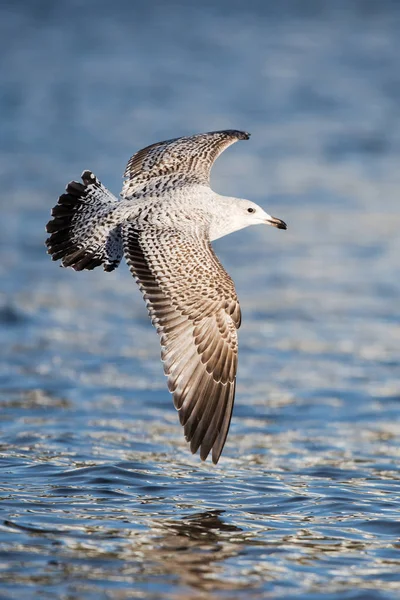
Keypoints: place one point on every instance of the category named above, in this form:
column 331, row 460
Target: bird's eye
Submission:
column 251, row 210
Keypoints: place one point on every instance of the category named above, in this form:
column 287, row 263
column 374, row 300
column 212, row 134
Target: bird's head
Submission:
column 252, row 214
column 237, row 214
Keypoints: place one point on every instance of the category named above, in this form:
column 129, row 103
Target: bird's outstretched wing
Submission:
column 177, row 162
column 193, row 305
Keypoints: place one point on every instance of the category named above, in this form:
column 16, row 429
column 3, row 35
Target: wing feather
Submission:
column 177, row 162
column 197, row 325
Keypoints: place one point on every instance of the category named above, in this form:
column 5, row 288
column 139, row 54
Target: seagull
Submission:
column 163, row 224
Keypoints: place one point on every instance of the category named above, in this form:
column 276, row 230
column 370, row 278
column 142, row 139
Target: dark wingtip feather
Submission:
column 224, row 429
column 236, row 133
column 241, row 135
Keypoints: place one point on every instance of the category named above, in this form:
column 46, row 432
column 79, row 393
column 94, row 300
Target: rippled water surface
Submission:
column 100, row 496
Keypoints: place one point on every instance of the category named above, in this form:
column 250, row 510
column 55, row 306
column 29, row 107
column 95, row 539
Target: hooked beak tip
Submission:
column 278, row 223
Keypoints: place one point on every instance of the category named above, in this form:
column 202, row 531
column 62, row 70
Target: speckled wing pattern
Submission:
column 177, row 162
column 190, row 298
column 193, row 305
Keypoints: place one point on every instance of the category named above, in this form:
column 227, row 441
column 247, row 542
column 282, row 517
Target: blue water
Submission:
column 100, row 496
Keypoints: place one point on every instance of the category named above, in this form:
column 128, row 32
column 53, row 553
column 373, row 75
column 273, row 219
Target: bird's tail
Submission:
column 83, row 232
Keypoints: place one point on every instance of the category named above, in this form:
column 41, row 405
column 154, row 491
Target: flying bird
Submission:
column 163, row 224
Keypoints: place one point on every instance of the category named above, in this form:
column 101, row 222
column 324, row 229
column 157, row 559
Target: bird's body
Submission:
column 163, row 224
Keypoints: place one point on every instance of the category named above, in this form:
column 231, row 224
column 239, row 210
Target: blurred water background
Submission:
column 100, row 496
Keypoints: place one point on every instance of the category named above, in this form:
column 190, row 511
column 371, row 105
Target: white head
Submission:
column 239, row 214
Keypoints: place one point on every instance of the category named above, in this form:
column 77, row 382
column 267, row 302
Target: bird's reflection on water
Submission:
column 192, row 550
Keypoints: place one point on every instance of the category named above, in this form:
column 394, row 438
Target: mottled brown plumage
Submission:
column 196, row 313
column 180, row 161
column 164, row 224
